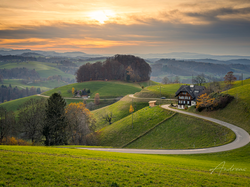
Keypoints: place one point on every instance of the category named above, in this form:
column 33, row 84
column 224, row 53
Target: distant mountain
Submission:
column 46, row 53
column 186, row 55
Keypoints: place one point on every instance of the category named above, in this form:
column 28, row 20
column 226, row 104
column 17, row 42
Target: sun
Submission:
column 102, row 15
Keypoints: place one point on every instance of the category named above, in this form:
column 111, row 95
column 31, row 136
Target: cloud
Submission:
column 219, row 27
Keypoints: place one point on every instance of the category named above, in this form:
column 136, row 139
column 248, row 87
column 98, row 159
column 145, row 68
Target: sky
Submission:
column 127, row 26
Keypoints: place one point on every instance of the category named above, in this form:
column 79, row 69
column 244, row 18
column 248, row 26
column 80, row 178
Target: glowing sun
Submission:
column 102, row 16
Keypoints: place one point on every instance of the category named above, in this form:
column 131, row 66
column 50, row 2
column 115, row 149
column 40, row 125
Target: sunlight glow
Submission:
column 102, row 15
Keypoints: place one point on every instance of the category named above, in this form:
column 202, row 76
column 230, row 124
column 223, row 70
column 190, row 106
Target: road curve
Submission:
column 242, row 139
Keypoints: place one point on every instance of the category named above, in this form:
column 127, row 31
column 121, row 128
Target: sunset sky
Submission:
column 127, row 26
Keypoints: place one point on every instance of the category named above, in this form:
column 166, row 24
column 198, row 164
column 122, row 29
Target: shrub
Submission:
column 14, row 141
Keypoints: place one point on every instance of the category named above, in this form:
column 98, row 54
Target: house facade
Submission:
column 188, row 94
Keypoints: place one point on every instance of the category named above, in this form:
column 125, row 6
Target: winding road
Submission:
column 242, row 139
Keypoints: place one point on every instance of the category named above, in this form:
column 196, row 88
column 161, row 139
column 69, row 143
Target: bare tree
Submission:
column 108, row 117
column 165, row 80
column 199, row 79
column 177, row 79
column 229, row 78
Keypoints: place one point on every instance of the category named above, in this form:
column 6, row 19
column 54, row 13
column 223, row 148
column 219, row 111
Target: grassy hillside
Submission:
column 122, row 131
column 14, row 104
column 78, row 63
column 42, row 68
column 43, row 166
column 182, row 132
column 43, row 85
column 106, row 89
column 160, row 90
column 119, row 110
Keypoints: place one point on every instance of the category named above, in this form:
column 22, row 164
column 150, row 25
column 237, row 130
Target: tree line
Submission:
column 8, row 93
column 19, row 73
column 119, row 67
column 49, row 122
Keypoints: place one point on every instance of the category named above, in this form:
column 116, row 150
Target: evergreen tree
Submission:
column 55, row 125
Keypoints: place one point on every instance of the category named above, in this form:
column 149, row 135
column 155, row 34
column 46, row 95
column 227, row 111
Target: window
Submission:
column 183, row 102
column 188, row 102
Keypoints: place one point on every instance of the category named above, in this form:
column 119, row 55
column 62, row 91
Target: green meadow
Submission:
column 44, row 85
column 153, row 128
column 44, row 69
column 184, row 132
column 106, row 89
column 49, row 166
column 159, row 90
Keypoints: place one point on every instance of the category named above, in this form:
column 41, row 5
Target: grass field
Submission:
column 123, row 131
column 183, row 132
column 14, row 104
column 160, row 90
column 42, row 85
column 106, row 89
column 42, row 166
column 42, row 68
column 119, row 110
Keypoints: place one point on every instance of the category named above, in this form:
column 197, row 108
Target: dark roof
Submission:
column 194, row 91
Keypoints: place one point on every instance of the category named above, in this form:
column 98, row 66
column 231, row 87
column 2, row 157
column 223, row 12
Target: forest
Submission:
column 120, row 67
column 19, row 73
column 9, row 93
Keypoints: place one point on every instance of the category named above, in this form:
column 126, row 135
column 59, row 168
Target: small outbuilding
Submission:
column 152, row 103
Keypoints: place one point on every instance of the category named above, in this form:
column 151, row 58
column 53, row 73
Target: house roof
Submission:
column 194, row 91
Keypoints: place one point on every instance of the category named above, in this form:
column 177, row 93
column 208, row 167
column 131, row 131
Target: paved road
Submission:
column 242, row 139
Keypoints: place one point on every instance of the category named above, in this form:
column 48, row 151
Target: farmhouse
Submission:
column 187, row 95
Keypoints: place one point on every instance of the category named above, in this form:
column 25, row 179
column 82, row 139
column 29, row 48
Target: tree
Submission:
column 1, row 79
column 108, row 117
column 31, row 118
column 7, row 123
column 205, row 101
column 199, row 79
column 54, row 128
column 97, row 99
column 80, row 122
column 229, row 78
column 131, row 109
column 177, row 79
column 165, row 80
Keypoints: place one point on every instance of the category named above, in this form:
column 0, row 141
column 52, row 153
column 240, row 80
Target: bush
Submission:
column 14, row 141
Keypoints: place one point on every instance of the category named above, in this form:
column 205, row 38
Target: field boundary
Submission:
column 143, row 134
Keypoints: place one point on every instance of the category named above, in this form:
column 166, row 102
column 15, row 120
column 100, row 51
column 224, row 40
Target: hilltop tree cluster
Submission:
column 119, row 67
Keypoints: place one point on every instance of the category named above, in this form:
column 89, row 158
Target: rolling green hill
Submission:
column 160, row 90
column 42, row 68
column 122, row 131
column 119, row 110
column 45, row 85
column 14, row 104
column 50, row 166
column 182, row 132
column 106, row 89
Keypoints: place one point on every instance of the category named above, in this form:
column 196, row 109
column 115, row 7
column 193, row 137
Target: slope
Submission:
column 42, row 68
column 106, row 89
column 123, row 131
